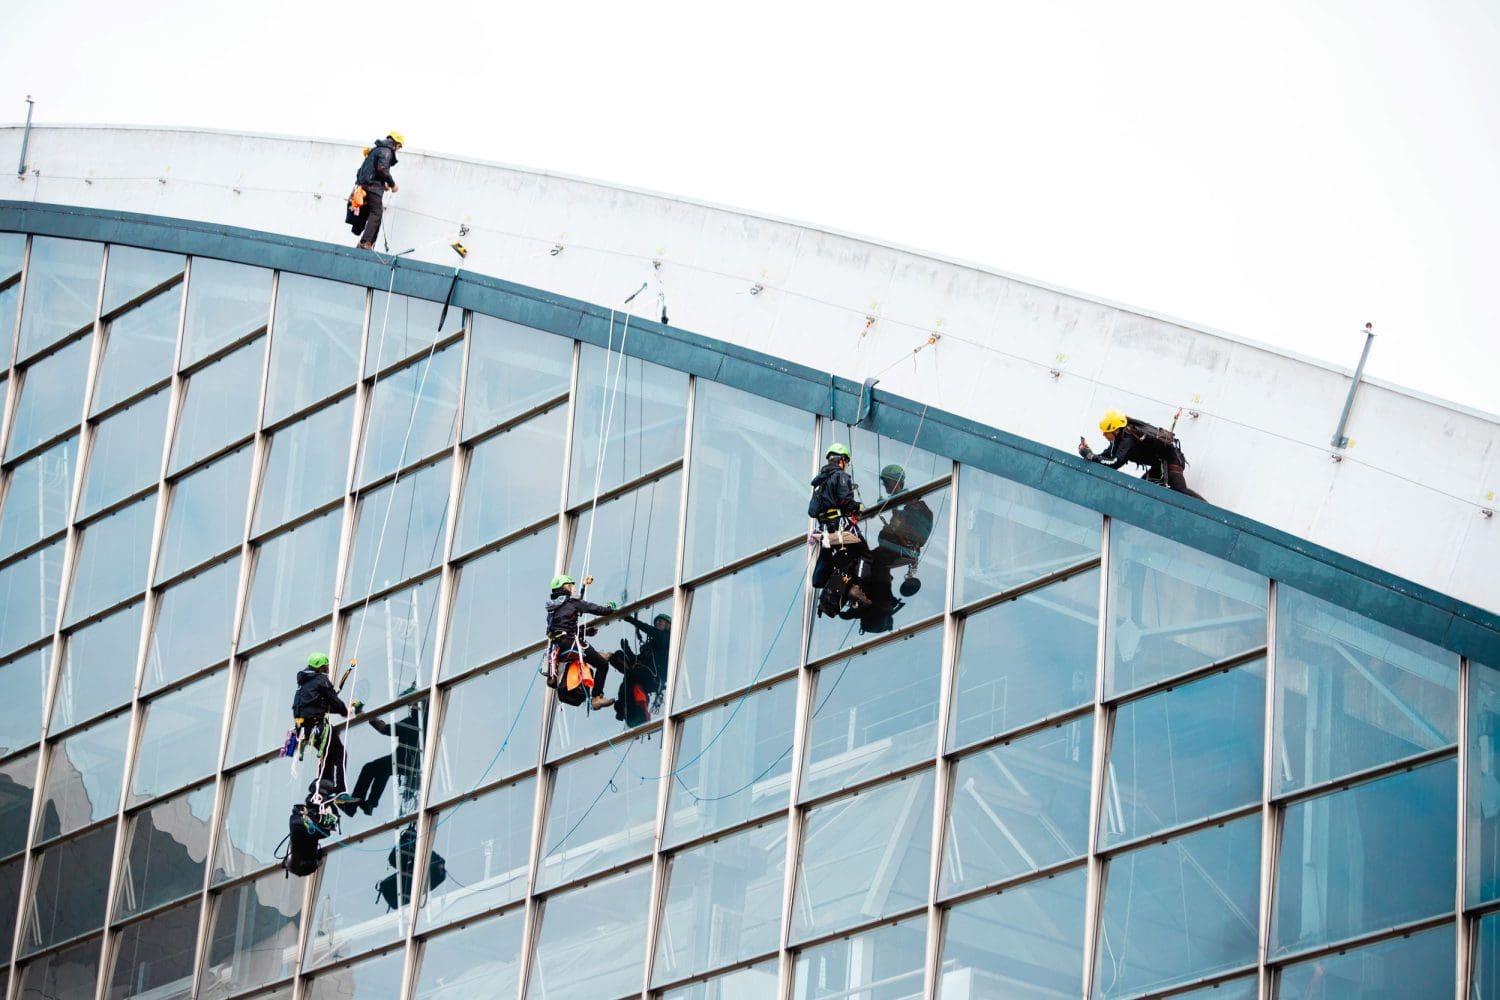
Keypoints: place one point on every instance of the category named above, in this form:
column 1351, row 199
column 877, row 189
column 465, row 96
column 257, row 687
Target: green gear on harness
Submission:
column 318, row 661
column 561, row 580
column 841, row 450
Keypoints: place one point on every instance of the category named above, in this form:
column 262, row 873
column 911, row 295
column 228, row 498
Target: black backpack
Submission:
column 303, row 854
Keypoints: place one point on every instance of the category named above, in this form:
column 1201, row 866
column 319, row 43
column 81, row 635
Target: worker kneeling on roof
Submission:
column 574, row 668
column 1136, row 441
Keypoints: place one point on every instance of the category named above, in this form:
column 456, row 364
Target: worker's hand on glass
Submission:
column 357, row 705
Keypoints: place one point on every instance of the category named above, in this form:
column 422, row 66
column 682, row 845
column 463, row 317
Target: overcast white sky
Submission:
column 1281, row 170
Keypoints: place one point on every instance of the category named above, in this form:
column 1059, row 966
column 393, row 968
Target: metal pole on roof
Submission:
column 25, row 138
column 1339, row 440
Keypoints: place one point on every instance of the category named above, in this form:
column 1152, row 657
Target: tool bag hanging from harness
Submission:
column 569, row 674
column 306, row 827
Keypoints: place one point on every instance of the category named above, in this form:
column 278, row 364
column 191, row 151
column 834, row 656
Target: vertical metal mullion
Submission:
column 1465, row 932
column 1269, row 825
column 13, row 397
column 1094, row 893
column 943, row 773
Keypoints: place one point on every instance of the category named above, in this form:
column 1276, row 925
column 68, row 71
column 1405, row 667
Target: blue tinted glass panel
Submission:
column 732, row 885
column 501, row 600
column 62, row 291
column 84, row 774
column 1180, row 910
column 306, row 467
column 864, row 857
column 255, row 820
column 126, row 455
column 600, row 813
column 1186, row 753
column 28, row 597
column 218, row 406
column 1018, row 807
column 67, row 973
column 155, row 957
column 1235, row 989
column 70, row 888
column 10, row 901
column 512, row 368
column 1482, row 881
column 12, row 253
column 178, row 729
column 758, row 980
column 637, row 409
column 132, row 272
column 224, row 303
column 207, row 515
column 750, row 457
column 1026, row 659
column 1174, row 608
column 413, row 413
column 572, row 922
column 377, row 978
column 400, row 326
column 1024, row 942
column 193, row 623
column 1485, row 984
column 886, row 960
column 1009, row 534
column 17, row 781
column 23, row 685
column 734, row 762
column 253, row 935
column 394, row 639
column 263, row 709
column 630, row 542
column 138, row 348
column 1357, row 837
column 164, row 852
column 514, row 479
column 874, row 454
column 1352, row 693
column 484, row 844
column 399, row 530
column 98, row 668
column 51, row 397
column 315, row 343
column 112, row 559
column 1419, row 967
column 764, row 601
column 36, row 501
column 479, row 958
column 347, row 917
column 491, row 727
column 294, row 579
column 873, row 712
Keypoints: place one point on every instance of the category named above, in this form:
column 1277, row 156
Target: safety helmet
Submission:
column 561, row 580
column 318, row 661
column 661, row 616
column 1113, row 420
column 840, row 451
column 893, row 473
column 399, row 138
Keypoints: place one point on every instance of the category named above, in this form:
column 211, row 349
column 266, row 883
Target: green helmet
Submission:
column 661, row 616
column 894, row 474
column 318, row 661
column 561, row 580
column 840, row 450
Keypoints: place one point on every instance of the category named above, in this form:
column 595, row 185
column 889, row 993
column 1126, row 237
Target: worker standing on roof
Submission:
column 375, row 179
column 1144, row 444
column 565, row 634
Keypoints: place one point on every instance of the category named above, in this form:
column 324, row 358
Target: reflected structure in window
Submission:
column 600, row 813
column 23, row 686
column 207, row 513
column 263, row 709
column 888, row 958
column 71, row 972
column 299, row 476
column 28, row 597
column 252, row 935
column 37, row 498
column 164, row 852
column 69, row 888
column 258, row 799
column 514, row 480
column 478, row 958
column 1354, row 694
column 377, row 978
column 491, row 726
column 512, row 368
column 1018, row 807
column 1416, row 967
column 113, row 554
column 758, row 980
column 293, row 579
column 634, row 541
column 225, row 302
column 51, row 397
column 499, row 604
column 194, row 618
column 413, row 413
column 614, row 910
column 875, row 454
column 1026, row 659
column 218, row 406
column 649, row 406
column 178, row 737
column 155, row 956
column 314, row 343
column 399, row 530
column 132, row 272
column 1338, row 852
column 481, row 849
column 12, row 255
column 98, row 668
column 393, row 637
column 1484, row 981
column 138, row 349
column 17, row 782
column 864, row 857
column 10, row 902
column 387, row 764
column 750, row 470
column 402, row 326
column 1023, row 942
column 85, row 771
column 125, row 457
column 1482, row 881
column 347, row 918
column 62, row 291
column 1175, row 608
column 1009, row 534
column 1234, row 989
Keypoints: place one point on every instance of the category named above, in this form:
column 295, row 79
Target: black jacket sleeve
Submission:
column 1118, row 452
column 841, row 490
column 329, row 696
column 594, row 609
column 385, row 157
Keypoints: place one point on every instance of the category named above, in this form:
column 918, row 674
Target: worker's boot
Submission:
column 601, row 701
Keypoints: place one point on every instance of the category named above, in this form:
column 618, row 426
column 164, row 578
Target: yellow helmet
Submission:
column 1113, row 421
column 400, row 139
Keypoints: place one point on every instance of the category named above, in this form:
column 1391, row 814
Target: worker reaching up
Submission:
column 1132, row 440
column 374, row 179
column 566, row 645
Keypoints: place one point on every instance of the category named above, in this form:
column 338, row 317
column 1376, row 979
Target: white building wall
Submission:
column 1409, row 496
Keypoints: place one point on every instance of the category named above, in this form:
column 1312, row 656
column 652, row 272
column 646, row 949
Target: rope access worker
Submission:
column 836, row 510
column 315, row 700
column 1132, row 440
column 907, row 531
column 565, row 637
column 645, row 669
column 374, row 179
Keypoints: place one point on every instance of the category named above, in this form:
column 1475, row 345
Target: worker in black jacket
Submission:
column 565, row 633
column 1144, row 444
column 315, row 700
column 644, row 669
column 375, row 177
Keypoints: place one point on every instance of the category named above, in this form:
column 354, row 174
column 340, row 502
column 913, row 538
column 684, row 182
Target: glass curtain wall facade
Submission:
column 1078, row 760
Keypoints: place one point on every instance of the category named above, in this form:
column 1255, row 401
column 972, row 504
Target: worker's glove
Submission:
column 357, row 705
column 1085, row 451
column 613, row 605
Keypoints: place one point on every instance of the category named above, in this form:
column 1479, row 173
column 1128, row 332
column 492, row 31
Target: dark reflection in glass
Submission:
column 98, row 668
column 1186, row 753
column 1485, row 982
column 10, row 901
column 1177, row 911
column 377, row 978
column 164, row 852
column 36, row 503
column 1023, row 942
column 750, row 468
column 573, row 922
column 112, row 559
column 299, row 475
column 71, row 972
column 864, row 856
column 218, row 406
column 268, row 681
column 514, row 479
column 413, row 413
column 207, row 513
column 1009, row 534
column 51, row 402
column 1018, row 807
column 62, row 289
column 393, row 751
column 28, row 599
column 126, row 454
column 138, row 348
column 1415, row 967
column 886, row 959
column 484, row 843
column 399, row 530
column 1027, row 658
column 294, row 578
column 132, row 272
column 1174, row 608
column 634, row 541
column 646, row 432
column 393, row 638
column 225, row 302
column 512, row 368
column 347, row 917
column 12, row 252
column 400, row 326
column 600, row 812
column 491, row 727
column 247, row 841
column 499, row 605
column 178, row 728
column 84, row 775
column 1357, row 837
column 155, row 957
column 71, row 881
column 1353, row 694
column 253, row 935
column 1482, row 881
column 23, row 685
column 193, row 622
column 315, row 343
column 478, row 959
column 17, row 781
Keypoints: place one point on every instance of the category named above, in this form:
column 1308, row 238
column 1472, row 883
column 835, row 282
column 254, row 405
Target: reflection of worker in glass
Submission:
column 405, row 760
column 395, row 888
column 645, row 669
column 907, row 527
